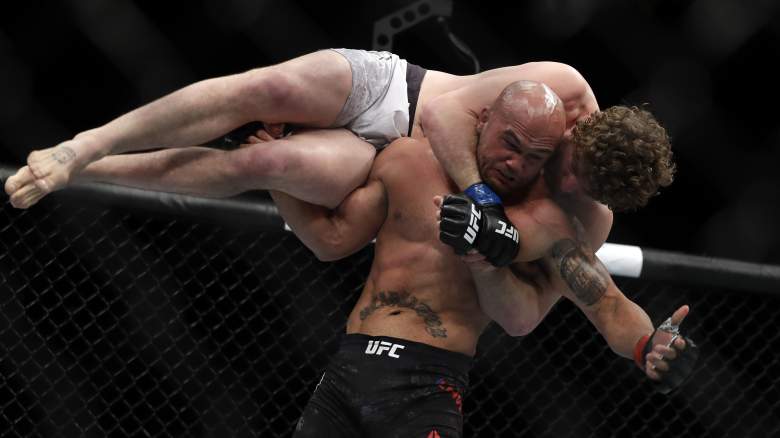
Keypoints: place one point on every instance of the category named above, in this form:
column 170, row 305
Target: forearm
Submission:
column 589, row 285
column 622, row 324
column 453, row 137
column 511, row 303
column 192, row 115
column 325, row 232
column 193, row 170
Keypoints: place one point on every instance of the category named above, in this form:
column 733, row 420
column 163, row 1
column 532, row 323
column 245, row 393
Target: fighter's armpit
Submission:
column 582, row 271
column 532, row 273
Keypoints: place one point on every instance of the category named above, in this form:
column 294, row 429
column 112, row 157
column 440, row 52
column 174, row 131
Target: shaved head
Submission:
column 533, row 103
column 518, row 133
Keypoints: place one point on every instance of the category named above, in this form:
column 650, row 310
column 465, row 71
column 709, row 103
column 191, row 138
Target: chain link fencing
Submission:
column 114, row 323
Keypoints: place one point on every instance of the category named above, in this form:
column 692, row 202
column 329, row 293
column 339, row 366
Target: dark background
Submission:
column 706, row 68
column 113, row 323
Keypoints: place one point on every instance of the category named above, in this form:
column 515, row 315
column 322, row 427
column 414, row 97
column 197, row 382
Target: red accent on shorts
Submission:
column 434, row 434
column 446, row 386
column 638, row 349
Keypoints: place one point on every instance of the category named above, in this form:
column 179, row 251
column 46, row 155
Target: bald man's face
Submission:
column 514, row 144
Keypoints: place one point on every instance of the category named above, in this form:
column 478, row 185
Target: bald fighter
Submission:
column 388, row 202
column 366, row 99
column 402, row 367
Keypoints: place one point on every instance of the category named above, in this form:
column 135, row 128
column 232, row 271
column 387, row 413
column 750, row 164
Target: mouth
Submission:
column 500, row 180
column 506, row 179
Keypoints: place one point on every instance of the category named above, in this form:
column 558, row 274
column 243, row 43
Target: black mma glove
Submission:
column 679, row 368
column 476, row 219
column 460, row 222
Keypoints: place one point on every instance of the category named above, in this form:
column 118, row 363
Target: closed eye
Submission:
column 512, row 144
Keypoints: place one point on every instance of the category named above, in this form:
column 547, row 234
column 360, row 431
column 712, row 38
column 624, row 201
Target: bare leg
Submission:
column 309, row 90
column 318, row 166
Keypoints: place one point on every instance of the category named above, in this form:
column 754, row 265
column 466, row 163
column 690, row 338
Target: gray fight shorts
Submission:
column 383, row 86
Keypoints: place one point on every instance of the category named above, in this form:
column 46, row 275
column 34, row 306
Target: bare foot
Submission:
column 22, row 190
column 51, row 169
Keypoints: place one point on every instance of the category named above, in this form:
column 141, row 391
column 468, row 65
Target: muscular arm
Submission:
column 334, row 234
column 517, row 298
column 573, row 270
column 583, row 279
column 449, row 121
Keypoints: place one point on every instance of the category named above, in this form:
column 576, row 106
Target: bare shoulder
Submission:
column 547, row 212
column 567, row 82
column 541, row 223
column 596, row 219
column 400, row 153
column 542, row 211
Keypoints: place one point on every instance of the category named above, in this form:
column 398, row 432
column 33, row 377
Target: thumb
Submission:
column 437, row 200
column 680, row 314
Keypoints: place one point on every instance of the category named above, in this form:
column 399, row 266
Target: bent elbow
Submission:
column 326, row 256
column 517, row 325
column 516, row 330
column 330, row 248
column 329, row 253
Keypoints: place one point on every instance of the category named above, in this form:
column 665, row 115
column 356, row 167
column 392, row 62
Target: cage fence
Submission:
column 115, row 322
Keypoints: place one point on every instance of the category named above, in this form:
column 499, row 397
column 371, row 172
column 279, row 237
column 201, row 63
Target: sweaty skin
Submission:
column 417, row 289
column 290, row 93
column 449, row 120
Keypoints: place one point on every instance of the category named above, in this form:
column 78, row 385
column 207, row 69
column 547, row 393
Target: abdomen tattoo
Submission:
column 433, row 324
column 582, row 271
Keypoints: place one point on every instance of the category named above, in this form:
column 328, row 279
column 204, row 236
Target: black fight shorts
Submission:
column 378, row 386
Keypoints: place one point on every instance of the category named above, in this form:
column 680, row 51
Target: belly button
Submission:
column 395, row 312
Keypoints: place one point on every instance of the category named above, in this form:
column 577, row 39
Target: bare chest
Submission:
column 411, row 209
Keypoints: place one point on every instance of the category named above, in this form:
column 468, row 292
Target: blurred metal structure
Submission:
column 405, row 18
column 387, row 27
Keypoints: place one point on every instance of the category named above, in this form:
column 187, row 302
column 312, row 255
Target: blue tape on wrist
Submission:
column 482, row 194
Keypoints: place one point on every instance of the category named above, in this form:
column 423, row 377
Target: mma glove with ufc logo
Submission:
column 476, row 219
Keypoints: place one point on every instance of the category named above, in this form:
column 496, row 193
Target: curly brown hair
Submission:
column 624, row 155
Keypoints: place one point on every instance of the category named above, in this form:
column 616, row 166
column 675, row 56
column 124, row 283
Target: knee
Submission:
column 265, row 161
column 268, row 86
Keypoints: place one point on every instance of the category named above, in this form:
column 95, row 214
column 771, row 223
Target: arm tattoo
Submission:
column 433, row 324
column 581, row 270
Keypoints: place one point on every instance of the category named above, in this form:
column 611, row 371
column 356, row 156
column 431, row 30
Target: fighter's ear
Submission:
column 483, row 117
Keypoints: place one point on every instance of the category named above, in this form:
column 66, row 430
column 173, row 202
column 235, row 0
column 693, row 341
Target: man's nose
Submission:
column 515, row 164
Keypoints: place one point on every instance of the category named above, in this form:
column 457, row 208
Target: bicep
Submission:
column 569, row 85
column 478, row 93
column 579, row 268
column 362, row 213
column 333, row 234
column 583, row 279
column 536, row 276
